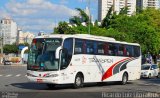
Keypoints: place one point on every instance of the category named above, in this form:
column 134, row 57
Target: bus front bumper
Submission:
column 53, row 80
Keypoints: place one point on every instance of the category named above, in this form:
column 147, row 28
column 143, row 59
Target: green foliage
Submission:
column 10, row 49
column 63, row 28
column 142, row 28
column 96, row 23
column 123, row 11
column 84, row 16
column 106, row 20
column 75, row 20
column 78, row 20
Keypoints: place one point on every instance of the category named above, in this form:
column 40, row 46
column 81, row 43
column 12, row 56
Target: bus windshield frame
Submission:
column 42, row 54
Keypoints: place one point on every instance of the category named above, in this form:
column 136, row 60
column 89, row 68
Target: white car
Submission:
column 149, row 70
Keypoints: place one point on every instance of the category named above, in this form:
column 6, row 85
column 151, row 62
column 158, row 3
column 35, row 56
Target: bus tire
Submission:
column 78, row 83
column 124, row 79
column 51, row 86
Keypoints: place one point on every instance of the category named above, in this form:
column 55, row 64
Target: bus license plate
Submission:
column 39, row 81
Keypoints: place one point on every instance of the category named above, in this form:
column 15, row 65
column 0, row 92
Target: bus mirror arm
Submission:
column 58, row 52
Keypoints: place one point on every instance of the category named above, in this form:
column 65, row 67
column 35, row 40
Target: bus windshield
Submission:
column 42, row 54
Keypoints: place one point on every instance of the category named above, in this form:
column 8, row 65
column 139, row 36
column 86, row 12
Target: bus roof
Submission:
column 86, row 36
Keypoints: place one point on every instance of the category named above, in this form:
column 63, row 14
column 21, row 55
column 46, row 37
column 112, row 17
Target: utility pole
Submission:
column 89, row 26
column 1, row 46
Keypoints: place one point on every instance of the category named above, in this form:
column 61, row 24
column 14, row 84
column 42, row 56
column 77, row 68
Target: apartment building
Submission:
column 8, row 31
column 25, row 37
column 104, row 6
column 148, row 3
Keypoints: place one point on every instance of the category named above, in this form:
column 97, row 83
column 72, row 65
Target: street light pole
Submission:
column 89, row 25
column 2, row 46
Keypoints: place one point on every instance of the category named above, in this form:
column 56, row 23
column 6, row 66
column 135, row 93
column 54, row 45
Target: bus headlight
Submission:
column 28, row 74
column 51, row 75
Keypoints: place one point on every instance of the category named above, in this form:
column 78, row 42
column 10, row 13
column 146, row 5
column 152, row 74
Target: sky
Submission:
column 43, row 15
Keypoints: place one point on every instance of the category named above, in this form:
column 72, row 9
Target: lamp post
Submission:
column 1, row 38
column 89, row 25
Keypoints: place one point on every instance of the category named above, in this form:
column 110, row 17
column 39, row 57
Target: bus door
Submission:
column 65, row 59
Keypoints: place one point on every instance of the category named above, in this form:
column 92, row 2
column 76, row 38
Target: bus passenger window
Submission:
column 78, row 46
column 121, row 50
column 112, row 49
column 100, row 48
column 89, row 47
column 136, row 51
column 129, row 50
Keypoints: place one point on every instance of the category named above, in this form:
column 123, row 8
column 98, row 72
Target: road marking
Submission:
column 8, row 75
column 149, row 84
column 18, row 75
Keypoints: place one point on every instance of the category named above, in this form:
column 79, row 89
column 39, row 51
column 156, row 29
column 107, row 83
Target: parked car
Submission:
column 150, row 70
column 7, row 62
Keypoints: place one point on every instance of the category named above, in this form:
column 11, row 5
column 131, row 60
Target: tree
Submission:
column 75, row 20
column 78, row 20
column 141, row 28
column 63, row 28
column 83, row 15
column 96, row 23
column 106, row 20
column 10, row 49
column 123, row 11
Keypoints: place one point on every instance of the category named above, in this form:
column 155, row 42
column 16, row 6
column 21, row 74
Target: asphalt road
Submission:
column 14, row 84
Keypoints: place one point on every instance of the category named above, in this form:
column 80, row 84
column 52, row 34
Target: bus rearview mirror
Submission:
column 57, row 52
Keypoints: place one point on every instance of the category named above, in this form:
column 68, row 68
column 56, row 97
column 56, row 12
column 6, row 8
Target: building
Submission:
column 148, row 3
column 25, row 37
column 105, row 5
column 8, row 31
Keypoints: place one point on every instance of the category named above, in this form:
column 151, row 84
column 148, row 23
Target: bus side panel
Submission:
column 134, row 69
column 89, row 68
column 94, row 67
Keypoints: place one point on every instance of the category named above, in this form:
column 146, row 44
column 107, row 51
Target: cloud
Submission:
column 35, row 1
column 36, row 14
column 64, row 1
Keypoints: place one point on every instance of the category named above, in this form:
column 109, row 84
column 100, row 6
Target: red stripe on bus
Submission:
column 109, row 73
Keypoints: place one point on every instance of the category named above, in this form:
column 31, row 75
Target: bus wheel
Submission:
column 51, row 86
column 78, row 81
column 124, row 79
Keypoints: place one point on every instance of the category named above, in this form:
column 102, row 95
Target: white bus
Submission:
column 81, row 58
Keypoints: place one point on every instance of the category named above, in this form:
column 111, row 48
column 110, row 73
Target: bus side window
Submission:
column 129, row 50
column 79, row 46
column 89, row 47
column 136, row 51
column 100, row 48
column 113, row 49
column 121, row 50
column 95, row 47
column 106, row 47
column 110, row 51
